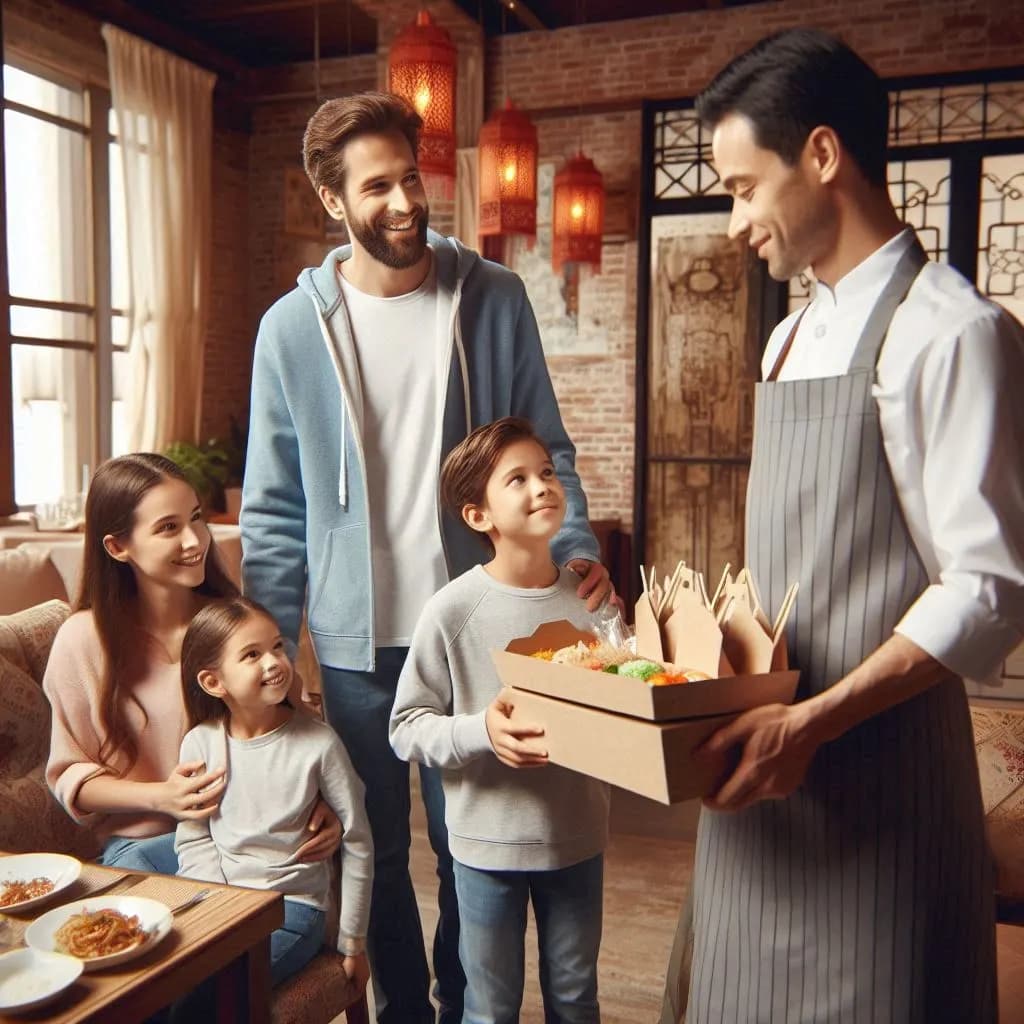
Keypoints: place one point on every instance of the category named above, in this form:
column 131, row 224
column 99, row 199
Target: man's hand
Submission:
column 596, row 583
column 777, row 750
column 327, row 839
column 515, row 745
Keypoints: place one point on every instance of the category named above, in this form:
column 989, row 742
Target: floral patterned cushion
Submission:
column 30, row 819
column 316, row 995
column 999, row 744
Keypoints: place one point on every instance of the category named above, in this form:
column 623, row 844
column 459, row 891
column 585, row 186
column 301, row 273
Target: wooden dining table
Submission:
column 225, row 937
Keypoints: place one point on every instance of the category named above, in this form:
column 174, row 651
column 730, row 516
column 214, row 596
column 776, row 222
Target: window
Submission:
column 67, row 282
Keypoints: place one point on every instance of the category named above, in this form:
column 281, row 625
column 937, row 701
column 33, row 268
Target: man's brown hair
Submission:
column 471, row 462
column 340, row 120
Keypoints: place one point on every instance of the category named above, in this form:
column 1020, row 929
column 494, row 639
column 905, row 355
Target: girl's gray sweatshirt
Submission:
column 499, row 818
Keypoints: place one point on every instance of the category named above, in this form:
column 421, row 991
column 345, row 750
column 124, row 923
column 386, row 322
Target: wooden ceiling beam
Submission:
column 203, row 10
column 138, row 22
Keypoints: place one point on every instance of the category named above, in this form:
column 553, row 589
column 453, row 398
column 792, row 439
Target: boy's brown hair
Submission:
column 471, row 462
column 338, row 121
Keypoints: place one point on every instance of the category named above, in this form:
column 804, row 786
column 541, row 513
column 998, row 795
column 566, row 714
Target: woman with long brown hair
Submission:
column 113, row 677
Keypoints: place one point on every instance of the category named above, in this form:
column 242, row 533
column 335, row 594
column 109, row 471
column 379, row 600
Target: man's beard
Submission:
column 398, row 255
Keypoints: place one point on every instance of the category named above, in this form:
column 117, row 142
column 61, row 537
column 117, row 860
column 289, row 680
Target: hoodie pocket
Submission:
column 340, row 600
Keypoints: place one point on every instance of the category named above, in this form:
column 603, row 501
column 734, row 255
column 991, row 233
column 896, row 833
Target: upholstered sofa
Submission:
column 31, row 820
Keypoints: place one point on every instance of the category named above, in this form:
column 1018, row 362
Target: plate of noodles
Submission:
column 101, row 931
column 29, row 878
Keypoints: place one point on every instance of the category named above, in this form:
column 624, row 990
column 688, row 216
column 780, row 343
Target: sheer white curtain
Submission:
column 164, row 121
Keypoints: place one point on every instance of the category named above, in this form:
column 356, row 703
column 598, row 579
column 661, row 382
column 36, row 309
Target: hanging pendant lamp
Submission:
column 578, row 215
column 508, row 174
column 422, row 66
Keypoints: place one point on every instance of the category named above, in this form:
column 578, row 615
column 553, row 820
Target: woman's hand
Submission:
column 358, row 970
column 189, row 793
column 323, row 845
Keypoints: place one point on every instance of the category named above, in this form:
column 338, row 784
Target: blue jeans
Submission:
column 567, row 907
column 358, row 705
column 154, row 854
column 296, row 942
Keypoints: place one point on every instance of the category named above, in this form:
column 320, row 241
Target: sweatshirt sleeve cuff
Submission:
column 71, row 781
column 959, row 632
column 470, row 737
column 351, row 946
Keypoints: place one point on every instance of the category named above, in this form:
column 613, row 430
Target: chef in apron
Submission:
column 842, row 872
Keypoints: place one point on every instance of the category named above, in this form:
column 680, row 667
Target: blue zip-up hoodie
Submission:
column 305, row 508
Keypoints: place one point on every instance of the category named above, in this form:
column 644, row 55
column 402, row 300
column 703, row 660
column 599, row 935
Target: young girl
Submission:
column 113, row 677
column 236, row 676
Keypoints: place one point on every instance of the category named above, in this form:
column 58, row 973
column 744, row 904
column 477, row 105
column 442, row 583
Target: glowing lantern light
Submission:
column 578, row 217
column 421, row 68
column 508, row 174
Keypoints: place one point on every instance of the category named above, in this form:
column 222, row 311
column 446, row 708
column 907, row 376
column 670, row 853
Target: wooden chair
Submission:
column 317, row 994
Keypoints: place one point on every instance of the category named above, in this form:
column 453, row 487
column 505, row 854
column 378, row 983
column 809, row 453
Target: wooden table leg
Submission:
column 243, row 987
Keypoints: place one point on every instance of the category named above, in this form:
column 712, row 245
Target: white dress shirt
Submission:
column 950, row 392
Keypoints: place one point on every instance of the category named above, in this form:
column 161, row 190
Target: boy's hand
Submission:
column 514, row 744
column 358, row 970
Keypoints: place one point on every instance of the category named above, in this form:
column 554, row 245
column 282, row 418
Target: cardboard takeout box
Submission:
column 641, row 737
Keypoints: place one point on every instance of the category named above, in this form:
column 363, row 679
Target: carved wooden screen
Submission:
column 703, row 356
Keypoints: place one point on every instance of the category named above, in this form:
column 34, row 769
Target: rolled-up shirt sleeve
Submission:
column 965, row 416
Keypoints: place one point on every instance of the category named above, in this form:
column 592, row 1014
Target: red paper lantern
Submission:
column 577, row 221
column 421, row 68
column 508, row 174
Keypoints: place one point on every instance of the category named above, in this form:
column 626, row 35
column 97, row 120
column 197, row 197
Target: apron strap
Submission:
column 865, row 356
column 869, row 345
column 784, row 351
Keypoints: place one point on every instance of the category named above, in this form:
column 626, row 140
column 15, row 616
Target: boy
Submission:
column 515, row 835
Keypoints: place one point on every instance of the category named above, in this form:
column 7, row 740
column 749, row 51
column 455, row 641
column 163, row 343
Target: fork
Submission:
column 195, row 898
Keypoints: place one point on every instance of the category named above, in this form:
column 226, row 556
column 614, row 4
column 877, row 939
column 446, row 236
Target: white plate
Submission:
column 29, row 978
column 23, row 867
column 154, row 917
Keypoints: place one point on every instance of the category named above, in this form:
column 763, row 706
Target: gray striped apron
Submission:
column 867, row 896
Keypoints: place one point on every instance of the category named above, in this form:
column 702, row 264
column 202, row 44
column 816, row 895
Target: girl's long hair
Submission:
column 203, row 649
column 109, row 589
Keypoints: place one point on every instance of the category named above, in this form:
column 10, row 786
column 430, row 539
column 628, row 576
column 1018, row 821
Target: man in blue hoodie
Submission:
column 365, row 376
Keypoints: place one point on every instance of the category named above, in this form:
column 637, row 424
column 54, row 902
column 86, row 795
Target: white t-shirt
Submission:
column 397, row 341
column 951, row 421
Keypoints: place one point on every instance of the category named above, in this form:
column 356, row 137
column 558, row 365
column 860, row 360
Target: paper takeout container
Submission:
column 625, row 731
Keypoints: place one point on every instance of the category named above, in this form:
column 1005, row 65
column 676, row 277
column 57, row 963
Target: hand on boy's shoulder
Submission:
column 518, row 744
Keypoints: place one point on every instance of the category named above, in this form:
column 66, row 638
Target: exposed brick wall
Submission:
column 275, row 258
column 228, row 337
column 675, row 55
column 618, row 65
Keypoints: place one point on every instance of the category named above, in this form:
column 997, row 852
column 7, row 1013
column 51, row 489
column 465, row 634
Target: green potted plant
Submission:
column 205, row 466
column 234, row 447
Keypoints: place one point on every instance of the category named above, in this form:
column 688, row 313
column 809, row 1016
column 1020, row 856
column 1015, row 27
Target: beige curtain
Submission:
column 164, row 126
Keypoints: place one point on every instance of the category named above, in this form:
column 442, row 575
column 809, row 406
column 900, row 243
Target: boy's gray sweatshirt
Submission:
column 499, row 818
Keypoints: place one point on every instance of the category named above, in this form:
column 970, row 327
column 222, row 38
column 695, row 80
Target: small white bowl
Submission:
column 23, row 867
column 29, row 978
column 154, row 918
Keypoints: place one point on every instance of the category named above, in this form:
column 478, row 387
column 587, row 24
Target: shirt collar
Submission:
column 869, row 276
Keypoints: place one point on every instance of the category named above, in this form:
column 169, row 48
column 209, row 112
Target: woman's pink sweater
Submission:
column 156, row 718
